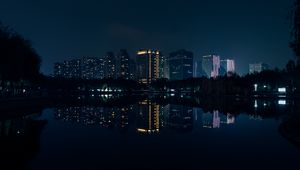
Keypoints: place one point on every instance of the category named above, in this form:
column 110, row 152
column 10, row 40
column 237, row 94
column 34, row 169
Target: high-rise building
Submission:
column 227, row 67
column 58, row 70
column 149, row 66
column 181, row 65
column 92, row 68
column 110, row 65
column 198, row 71
column 68, row 69
column 132, row 69
column 123, row 65
column 166, row 69
column 211, row 65
column 257, row 67
column 85, row 68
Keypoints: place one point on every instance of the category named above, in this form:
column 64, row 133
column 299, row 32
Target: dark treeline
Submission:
column 267, row 81
column 19, row 61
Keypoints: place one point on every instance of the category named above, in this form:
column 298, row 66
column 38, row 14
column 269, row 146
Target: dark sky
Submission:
column 245, row 30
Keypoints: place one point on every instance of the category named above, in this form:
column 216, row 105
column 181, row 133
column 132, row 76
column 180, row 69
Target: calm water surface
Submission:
column 149, row 135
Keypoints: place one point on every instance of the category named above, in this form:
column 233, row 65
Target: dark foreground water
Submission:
column 153, row 135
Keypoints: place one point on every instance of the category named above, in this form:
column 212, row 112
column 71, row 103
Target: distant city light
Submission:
column 282, row 102
column 282, row 90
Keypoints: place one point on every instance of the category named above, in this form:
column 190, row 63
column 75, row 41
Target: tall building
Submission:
column 166, row 69
column 123, row 65
column 149, row 66
column 85, row 68
column 211, row 65
column 132, row 69
column 198, row 71
column 181, row 65
column 58, row 70
column 257, row 67
column 92, row 68
column 110, row 67
column 227, row 67
column 68, row 69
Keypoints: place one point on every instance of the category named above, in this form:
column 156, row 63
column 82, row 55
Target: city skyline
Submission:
column 76, row 28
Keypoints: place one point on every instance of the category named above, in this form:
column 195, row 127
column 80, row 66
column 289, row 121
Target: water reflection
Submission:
column 19, row 140
column 152, row 119
column 150, row 116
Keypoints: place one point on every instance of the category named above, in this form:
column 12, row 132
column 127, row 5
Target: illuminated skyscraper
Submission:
column 181, row 65
column 211, row 65
column 123, row 63
column 227, row 67
column 110, row 65
column 198, row 71
column 150, row 66
column 92, row 68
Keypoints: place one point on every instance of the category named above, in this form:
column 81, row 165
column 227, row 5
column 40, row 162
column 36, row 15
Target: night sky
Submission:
column 245, row 30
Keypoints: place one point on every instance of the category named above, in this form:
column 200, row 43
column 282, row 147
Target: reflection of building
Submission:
column 89, row 115
column 180, row 117
column 181, row 65
column 227, row 67
column 214, row 120
column 211, row 120
column 257, row 67
column 230, row 118
column 149, row 66
column 148, row 117
column 211, row 65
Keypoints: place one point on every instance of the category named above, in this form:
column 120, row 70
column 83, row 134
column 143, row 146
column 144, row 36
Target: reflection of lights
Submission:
column 147, row 131
column 255, row 104
column 141, row 52
column 172, row 90
column 172, row 94
column 255, row 87
column 282, row 102
column 282, row 90
column 265, row 104
column 265, row 86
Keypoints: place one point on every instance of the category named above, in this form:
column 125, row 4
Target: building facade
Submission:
column 227, row 67
column 257, row 67
column 149, row 66
column 211, row 66
column 181, row 65
column 123, row 65
column 110, row 65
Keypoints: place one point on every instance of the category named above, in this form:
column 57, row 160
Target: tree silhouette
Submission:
column 18, row 60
